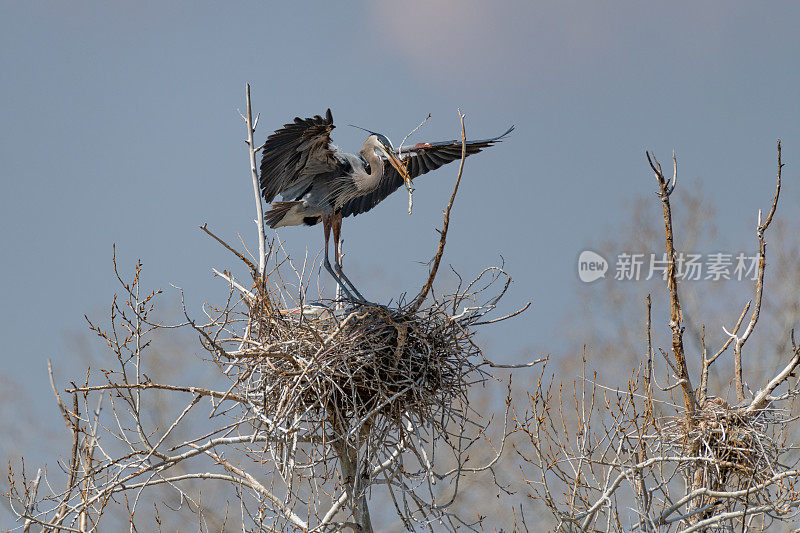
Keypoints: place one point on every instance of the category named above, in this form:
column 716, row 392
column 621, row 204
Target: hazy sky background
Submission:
column 120, row 125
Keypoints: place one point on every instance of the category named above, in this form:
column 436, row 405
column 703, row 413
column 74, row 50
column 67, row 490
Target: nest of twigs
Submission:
column 367, row 368
column 736, row 446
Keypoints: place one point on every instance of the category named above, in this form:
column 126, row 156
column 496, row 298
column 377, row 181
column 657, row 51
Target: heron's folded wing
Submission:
column 296, row 153
column 420, row 158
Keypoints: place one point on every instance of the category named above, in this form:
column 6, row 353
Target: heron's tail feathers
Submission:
column 279, row 210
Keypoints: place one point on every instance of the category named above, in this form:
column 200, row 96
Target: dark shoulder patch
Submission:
column 310, row 221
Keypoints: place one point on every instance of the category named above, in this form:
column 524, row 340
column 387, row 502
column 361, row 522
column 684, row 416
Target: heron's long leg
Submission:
column 336, row 223
column 326, row 227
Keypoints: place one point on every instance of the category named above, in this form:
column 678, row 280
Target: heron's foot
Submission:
column 355, row 300
column 351, row 294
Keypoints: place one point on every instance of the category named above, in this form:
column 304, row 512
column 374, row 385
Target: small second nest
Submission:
column 368, row 366
column 738, row 447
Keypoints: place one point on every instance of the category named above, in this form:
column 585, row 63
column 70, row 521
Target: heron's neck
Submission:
column 375, row 174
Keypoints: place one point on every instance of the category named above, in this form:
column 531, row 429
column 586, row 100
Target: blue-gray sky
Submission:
column 119, row 124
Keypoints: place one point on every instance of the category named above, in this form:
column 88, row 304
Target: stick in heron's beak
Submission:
column 400, row 166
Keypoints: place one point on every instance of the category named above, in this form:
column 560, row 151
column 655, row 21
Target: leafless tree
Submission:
column 660, row 454
column 312, row 412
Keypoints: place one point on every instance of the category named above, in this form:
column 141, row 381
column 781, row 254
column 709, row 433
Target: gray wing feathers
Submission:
column 295, row 154
column 420, row 159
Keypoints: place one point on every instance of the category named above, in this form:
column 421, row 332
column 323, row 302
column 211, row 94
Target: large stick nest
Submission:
column 363, row 364
column 330, row 372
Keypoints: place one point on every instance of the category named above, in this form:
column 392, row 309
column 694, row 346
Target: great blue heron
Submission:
column 319, row 182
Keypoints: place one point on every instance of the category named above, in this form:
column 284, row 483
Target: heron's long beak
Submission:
column 400, row 166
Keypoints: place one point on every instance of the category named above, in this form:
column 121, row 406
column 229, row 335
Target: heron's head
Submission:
column 383, row 145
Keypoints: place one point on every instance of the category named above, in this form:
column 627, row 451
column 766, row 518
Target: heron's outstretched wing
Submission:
column 420, row 158
column 296, row 153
